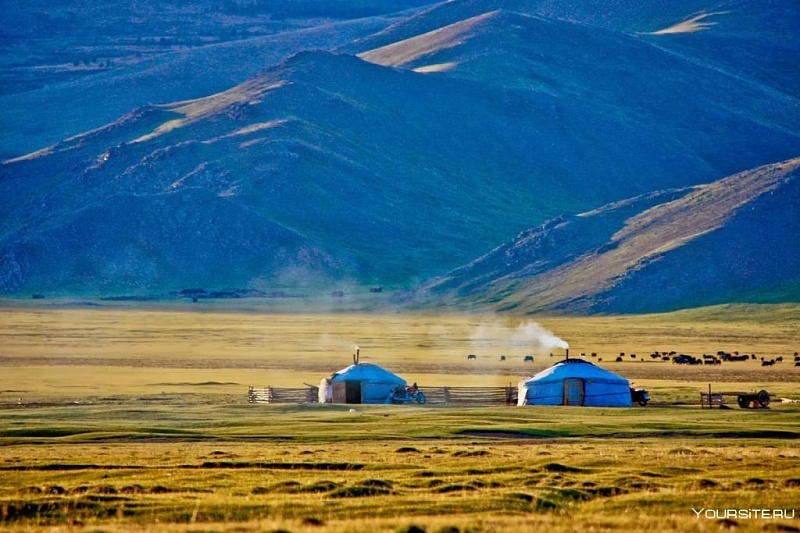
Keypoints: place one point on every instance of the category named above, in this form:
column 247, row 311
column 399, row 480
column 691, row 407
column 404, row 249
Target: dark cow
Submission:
column 736, row 357
column 502, row 357
column 684, row 359
column 471, row 357
column 528, row 359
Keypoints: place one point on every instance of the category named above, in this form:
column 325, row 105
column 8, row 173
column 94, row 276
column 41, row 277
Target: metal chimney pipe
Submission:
column 567, row 353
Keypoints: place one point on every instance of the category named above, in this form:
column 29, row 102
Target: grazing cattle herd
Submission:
column 682, row 359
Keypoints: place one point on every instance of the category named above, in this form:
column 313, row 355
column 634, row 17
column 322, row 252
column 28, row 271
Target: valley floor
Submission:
column 135, row 419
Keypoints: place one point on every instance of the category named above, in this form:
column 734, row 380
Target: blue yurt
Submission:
column 360, row 383
column 575, row 382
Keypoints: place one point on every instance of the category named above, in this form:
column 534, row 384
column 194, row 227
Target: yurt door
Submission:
column 573, row 391
column 339, row 391
column 353, row 392
column 346, row 392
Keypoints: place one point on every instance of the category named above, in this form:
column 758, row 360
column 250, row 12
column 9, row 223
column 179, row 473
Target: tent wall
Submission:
column 372, row 392
column 568, row 392
column 361, row 392
column 608, row 395
column 363, row 383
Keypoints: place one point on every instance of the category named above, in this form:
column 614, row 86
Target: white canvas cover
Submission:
column 575, row 382
column 325, row 394
column 377, row 383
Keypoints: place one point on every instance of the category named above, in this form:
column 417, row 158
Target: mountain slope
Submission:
column 446, row 133
column 129, row 245
column 88, row 98
column 699, row 246
column 603, row 83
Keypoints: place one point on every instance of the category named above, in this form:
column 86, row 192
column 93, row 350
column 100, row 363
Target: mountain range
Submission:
column 666, row 250
column 644, row 155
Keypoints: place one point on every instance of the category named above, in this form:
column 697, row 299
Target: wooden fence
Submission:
column 281, row 395
column 471, row 395
column 434, row 395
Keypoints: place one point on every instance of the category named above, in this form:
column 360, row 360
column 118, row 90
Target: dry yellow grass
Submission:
column 96, row 445
column 200, row 108
column 691, row 25
column 472, row 485
column 438, row 67
column 408, row 50
column 75, row 353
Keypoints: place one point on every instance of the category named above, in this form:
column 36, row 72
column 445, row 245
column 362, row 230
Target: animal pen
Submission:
column 435, row 395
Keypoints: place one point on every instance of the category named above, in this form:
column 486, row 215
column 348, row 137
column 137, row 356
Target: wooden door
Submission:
column 573, row 391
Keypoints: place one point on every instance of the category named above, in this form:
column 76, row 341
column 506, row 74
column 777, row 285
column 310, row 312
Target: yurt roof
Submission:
column 575, row 368
column 367, row 372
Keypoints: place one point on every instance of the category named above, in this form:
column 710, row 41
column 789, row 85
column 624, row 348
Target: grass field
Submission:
column 120, row 418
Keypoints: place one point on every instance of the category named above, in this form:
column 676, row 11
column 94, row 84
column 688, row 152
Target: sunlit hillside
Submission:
column 677, row 248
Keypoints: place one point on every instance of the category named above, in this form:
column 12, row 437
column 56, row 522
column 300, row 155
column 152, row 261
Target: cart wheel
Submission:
column 421, row 398
column 743, row 402
column 643, row 402
column 763, row 398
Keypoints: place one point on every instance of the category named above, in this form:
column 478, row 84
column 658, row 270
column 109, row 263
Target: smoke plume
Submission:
column 530, row 336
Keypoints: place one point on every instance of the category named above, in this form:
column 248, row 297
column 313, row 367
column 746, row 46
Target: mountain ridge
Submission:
column 402, row 155
column 541, row 270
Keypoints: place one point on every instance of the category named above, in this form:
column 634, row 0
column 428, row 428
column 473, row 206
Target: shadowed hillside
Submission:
column 401, row 156
column 681, row 248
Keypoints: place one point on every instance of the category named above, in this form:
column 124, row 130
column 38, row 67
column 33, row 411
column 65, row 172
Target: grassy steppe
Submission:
column 219, row 348
column 121, row 418
column 179, row 467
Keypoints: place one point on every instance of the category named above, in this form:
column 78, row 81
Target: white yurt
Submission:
column 575, row 382
column 360, row 383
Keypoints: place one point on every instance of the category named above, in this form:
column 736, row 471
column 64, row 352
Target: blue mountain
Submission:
column 411, row 150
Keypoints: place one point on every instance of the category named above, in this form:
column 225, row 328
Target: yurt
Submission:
column 360, row 383
column 575, row 382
